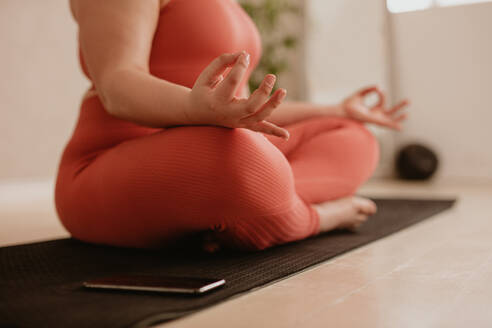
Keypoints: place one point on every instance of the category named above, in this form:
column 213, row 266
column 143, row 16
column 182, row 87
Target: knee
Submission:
column 360, row 151
column 363, row 141
column 352, row 135
column 224, row 171
column 257, row 176
column 373, row 149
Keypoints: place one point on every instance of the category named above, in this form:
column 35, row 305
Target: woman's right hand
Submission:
column 212, row 99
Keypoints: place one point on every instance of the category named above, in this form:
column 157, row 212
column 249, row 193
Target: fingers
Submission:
column 211, row 74
column 267, row 107
column 395, row 121
column 270, row 128
column 260, row 95
column 271, row 105
column 367, row 90
column 219, row 79
column 368, row 116
column 389, row 123
column 397, row 107
column 383, row 121
column 374, row 89
column 227, row 88
column 401, row 117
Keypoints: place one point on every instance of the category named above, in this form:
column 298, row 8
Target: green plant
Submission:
column 267, row 14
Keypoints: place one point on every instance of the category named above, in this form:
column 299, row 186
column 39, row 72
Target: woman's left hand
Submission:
column 354, row 107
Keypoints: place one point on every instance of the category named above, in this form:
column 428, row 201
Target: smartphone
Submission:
column 166, row 284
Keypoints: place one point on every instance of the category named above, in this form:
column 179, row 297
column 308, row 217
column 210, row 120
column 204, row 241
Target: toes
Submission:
column 372, row 207
column 211, row 246
column 209, row 242
column 366, row 205
column 357, row 221
column 360, row 218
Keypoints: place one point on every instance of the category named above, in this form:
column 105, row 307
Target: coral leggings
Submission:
column 253, row 190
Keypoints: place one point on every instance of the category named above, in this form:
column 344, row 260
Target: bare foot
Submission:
column 344, row 213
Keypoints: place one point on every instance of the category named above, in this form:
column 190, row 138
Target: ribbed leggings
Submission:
column 254, row 190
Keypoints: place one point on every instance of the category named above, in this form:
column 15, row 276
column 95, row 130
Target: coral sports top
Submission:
column 191, row 33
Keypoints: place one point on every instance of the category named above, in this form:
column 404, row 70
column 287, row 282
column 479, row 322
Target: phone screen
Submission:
column 169, row 284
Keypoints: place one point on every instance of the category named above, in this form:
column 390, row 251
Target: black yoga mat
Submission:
column 41, row 283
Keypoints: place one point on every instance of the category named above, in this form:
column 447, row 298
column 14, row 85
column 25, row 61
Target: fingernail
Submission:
column 246, row 57
column 282, row 95
column 270, row 80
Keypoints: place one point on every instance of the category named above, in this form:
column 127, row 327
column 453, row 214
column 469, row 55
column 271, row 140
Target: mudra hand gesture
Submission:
column 213, row 99
column 380, row 114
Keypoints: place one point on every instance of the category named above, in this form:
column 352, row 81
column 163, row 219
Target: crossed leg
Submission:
column 256, row 191
column 330, row 157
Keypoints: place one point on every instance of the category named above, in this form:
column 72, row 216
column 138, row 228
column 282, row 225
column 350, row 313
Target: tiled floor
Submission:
column 435, row 274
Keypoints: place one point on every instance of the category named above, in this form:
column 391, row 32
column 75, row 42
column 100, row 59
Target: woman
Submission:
column 170, row 142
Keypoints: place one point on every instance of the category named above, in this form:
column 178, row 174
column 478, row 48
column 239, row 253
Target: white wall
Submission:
column 443, row 62
column 346, row 49
column 40, row 86
column 290, row 24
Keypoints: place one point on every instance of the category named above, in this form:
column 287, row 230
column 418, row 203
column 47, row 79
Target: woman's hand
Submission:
column 354, row 107
column 213, row 101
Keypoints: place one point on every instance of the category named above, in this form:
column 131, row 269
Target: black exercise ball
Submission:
column 416, row 162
